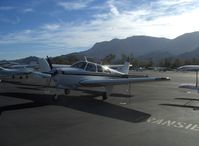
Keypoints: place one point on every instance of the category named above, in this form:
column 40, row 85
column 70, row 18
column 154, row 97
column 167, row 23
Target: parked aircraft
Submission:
column 26, row 76
column 11, row 72
column 194, row 68
column 7, row 63
column 87, row 74
column 117, row 67
column 90, row 74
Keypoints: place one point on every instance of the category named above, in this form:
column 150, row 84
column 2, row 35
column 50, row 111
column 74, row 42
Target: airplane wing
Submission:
column 189, row 86
column 60, row 66
column 189, row 68
column 115, row 66
column 41, row 75
column 9, row 74
column 109, row 82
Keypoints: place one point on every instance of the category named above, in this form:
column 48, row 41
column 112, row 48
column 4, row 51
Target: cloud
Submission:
column 51, row 27
column 6, row 8
column 114, row 10
column 14, row 20
column 175, row 2
column 118, row 21
column 27, row 10
column 77, row 5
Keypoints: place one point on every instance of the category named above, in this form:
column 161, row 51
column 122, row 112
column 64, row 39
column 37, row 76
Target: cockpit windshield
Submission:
column 89, row 66
column 80, row 65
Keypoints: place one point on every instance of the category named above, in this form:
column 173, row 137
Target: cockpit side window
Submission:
column 80, row 65
column 91, row 67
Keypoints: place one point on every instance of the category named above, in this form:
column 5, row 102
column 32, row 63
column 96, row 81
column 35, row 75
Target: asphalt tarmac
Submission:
column 158, row 113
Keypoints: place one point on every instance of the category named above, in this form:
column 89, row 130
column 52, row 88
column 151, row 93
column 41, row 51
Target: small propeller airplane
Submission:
column 87, row 74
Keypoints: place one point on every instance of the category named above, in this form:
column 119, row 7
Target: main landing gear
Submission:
column 56, row 96
column 67, row 91
column 104, row 96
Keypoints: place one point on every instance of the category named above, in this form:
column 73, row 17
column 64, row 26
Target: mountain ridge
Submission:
column 142, row 47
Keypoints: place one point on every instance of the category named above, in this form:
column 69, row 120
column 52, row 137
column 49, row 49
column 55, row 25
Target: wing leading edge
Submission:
column 108, row 82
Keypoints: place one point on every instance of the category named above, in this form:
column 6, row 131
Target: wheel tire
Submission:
column 104, row 96
column 55, row 98
column 66, row 91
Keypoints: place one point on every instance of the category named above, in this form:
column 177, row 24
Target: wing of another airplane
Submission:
column 109, row 82
column 190, row 68
column 189, row 86
column 12, row 72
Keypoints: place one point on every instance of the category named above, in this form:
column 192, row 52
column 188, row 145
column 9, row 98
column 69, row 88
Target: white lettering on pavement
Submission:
column 173, row 124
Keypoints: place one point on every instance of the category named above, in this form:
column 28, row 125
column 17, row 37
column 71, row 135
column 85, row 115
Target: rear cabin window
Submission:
column 99, row 68
column 91, row 67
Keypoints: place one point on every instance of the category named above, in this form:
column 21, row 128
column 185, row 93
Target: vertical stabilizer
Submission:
column 44, row 65
column 125, row 68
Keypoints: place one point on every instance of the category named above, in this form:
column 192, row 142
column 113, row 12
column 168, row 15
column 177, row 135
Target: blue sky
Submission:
column 56, row 27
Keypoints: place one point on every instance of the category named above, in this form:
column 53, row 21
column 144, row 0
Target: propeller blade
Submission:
column 49, row 62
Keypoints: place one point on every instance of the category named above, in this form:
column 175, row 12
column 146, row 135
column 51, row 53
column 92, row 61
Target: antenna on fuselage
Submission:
column 85, row 58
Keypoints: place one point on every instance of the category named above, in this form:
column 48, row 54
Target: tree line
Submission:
column 170, row 62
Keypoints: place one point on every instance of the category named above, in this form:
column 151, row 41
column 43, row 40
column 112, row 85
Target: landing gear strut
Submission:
column 55, row 97
column 104, row 96
column 66, row 91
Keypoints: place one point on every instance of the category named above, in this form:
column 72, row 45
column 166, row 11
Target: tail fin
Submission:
column 125, row 67
column 44, row 65
column 49, row 62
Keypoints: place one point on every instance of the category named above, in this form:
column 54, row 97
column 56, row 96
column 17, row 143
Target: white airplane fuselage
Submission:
column 70, row 77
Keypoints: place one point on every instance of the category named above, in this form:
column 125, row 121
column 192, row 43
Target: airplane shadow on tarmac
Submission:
column 86, row 103
column 99, row 93
column 186, row 105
